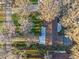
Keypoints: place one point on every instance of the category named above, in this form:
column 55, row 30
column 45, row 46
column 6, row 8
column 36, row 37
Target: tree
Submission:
column 72, row 27
column 49, row 9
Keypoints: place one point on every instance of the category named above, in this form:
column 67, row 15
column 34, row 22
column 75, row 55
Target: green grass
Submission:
column 34, row 58
column 2, row 28
column 19, row 45
column 1, row 44
column 32, row 52
column 37, row 23
column 17, row 29
column 15, row 19
column 2, row 18
column 41, row 48
column 34, row 1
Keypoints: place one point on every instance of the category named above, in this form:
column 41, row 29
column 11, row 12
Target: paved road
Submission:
column 9, row 23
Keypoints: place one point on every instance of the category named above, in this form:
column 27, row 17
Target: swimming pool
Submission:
column 42, row 36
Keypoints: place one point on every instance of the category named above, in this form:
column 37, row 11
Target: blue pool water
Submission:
column 42, row 37
column 67, row 41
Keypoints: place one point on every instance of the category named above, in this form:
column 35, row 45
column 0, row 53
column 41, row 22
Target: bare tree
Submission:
column 70, row 21
column 49, row 9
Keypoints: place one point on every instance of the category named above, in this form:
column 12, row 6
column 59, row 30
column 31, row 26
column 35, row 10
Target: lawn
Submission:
column 34, row 58
column 34, row 1
column 19, row 45
column 2, row 19
column 37, row 23
column 2, row 28
column 32, row 52
column 1, row 44
column 41, row 48
column 15, row 19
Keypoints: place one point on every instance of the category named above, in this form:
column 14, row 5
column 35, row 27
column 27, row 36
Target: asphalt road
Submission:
column 8, row 22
